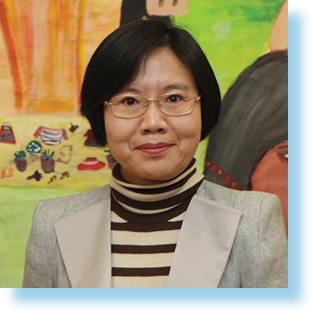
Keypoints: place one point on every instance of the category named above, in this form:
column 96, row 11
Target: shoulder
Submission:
column 52, row 210
column 241, row 200
column 260, row 251
column 258, row 209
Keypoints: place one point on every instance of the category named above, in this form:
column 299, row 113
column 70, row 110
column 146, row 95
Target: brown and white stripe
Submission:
column 145, row 225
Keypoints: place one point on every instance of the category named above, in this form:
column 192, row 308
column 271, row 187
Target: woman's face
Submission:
column 155, row 147
column 271, row 175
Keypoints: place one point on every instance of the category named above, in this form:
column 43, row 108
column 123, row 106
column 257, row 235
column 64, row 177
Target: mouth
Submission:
column 154, row 148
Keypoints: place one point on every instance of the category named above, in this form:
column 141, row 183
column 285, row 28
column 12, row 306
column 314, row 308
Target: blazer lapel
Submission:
column 199, row 261
column 84, row 241
column 204, row 244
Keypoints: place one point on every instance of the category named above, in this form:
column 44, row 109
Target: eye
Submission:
column 130, row 101
column 283, row 153
column 174, row 98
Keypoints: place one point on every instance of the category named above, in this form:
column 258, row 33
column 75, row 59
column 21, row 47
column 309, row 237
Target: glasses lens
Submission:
column 177, row 104
column 128, row 105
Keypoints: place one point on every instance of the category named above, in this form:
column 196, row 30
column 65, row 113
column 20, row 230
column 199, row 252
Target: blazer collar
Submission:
column 202, row 252
column 204, row 245
column 84, row 242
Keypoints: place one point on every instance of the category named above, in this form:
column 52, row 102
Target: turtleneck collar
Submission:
column 153, row 199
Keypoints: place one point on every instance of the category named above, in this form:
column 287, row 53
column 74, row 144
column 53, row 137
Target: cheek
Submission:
column 118, row 133
column 188, row 137
column 189, row 128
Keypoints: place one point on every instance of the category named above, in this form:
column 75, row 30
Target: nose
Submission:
column 153, row 120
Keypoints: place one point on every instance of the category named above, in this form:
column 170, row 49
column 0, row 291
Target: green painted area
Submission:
column 17, row 205
column 233, row 35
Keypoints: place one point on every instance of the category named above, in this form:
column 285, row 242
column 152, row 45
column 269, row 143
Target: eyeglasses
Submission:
column 132, row 106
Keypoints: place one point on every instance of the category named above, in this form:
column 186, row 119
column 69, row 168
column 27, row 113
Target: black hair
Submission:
column 254, row 119
column 116, row 62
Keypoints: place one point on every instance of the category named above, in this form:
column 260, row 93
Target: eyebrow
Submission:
column 176, row 86
column 170, row 87
column 282, row 147
column 130, row 89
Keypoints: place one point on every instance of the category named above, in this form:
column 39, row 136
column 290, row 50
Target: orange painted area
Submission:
column 48, row 44
column 52, row 49
column 8, row 22
column 80, row 44
column 64, row 58
column 279, row 35
column 25, row 46
column 47, row 72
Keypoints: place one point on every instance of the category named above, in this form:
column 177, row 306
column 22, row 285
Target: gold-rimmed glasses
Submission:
column 132, row 106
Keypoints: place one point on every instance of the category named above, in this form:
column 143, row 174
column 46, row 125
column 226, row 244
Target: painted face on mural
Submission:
column 156, row 147
column 271, row 175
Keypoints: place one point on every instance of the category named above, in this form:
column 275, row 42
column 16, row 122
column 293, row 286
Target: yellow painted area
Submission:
column 57, row 105
column 68, row 155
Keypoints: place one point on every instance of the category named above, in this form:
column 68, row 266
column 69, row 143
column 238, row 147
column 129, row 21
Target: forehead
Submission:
column 162, row 67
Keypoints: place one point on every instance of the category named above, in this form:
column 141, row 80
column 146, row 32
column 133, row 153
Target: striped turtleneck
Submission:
column 145, row 225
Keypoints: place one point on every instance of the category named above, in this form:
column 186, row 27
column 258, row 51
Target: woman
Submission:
column 150, row 94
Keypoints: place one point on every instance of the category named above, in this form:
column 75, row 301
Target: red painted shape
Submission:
column 91, row 164
column 7, row 135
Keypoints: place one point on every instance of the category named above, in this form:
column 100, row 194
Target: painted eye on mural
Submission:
column 282, row 152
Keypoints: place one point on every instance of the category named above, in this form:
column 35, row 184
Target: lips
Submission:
column 154, row 148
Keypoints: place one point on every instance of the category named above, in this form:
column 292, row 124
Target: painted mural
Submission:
column 248, row 149
column 47, row 149
column 47, row 45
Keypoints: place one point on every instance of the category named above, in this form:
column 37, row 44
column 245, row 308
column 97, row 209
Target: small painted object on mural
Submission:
column 52, row 179
column 167, row 7
column 91, row 164
column 64, row 175
column 7, row 135
column 110, row 159
column 37, row 176
column 20, row 161
column 73, row 128
column 51, row 136
column 225, row 177
column 34, row 148
column 90, row 140
column 161, row 3
column 5, row 174
column 47, row 161
column 65, row 152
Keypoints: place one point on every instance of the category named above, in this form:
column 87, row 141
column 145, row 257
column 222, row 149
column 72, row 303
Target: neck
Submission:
column 118, row 175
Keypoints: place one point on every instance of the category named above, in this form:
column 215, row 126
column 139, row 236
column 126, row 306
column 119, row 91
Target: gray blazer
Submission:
column 228, row 239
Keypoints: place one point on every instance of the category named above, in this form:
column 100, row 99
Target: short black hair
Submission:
column 117, row 60
column 254, row 119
